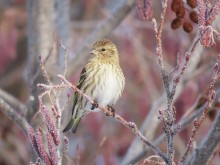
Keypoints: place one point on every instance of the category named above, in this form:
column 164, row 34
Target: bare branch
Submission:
column 184, row 122
column 130, row 125
column 136, row 151
column 197, row 122
column 205, row 150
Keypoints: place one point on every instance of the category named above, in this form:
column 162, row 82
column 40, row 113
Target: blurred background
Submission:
column 29, row 28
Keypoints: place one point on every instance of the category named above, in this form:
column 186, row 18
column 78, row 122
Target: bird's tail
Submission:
column 72, row 125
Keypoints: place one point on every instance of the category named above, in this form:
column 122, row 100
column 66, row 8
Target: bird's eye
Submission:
column 103, row 49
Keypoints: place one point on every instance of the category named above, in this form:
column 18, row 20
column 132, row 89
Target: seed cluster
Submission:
column 178, row 7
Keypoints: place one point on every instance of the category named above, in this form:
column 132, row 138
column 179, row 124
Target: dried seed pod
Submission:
column 41, row 148
column 51, row 125
column 187, row 27
column 194, row 17
column 176, row 5
column 192, row 3
column 176, row 23
column 52, row 149
column 180, row 13
column 32, row 138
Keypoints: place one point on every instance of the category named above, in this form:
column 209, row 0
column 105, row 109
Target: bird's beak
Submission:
column 93, row 51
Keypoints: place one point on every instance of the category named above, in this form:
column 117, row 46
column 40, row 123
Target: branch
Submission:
column 205, row 150
column 136, row 146
column 167, row 116
column 197, row 122
column 130, row 125
column 183, row 123
column 103, row 29
column 13, row 115
column 170, row 89
column 136, row 150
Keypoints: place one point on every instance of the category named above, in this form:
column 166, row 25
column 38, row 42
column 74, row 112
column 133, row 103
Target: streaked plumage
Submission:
column 101, row 79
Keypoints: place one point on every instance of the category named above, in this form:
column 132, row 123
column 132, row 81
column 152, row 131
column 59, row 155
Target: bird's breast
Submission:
column 109, row 90
column 109, row 86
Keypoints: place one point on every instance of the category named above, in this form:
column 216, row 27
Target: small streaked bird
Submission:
column 101, row 79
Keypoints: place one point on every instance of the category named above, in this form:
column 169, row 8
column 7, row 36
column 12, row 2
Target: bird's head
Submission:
column 105, row 48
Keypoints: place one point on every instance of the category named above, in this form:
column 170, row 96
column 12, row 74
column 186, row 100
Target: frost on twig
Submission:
column 46, row 139
column 170, row 81
column 130, row 125
column 51, row 116
column 197, row 122
column 205, row 150
column 207, row 14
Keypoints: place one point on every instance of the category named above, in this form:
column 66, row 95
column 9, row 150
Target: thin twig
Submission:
column 207, row 147
column 136, row 151
column 130, row 125
column 197, row 123
column 44, row 72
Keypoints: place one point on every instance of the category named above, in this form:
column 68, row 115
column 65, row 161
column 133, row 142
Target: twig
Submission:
column 44, row 72
column 197, row 123
column 158, row 32
column 136, row 147
column 52, row 122
column 205, row 150
column 153, row 160
column 183, row 123
column 136, row 151
column 130, row 125
column 167, row 116
column 42, row 65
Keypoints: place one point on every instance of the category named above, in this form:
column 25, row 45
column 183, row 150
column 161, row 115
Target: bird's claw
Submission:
column 95, row 105
column 111, row 109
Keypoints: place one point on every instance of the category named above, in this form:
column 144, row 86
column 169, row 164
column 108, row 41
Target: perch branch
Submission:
column 130, row 125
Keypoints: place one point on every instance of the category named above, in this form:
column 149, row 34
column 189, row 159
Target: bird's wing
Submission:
column 79, row 85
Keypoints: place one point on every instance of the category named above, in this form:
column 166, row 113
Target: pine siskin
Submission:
column 101, row 79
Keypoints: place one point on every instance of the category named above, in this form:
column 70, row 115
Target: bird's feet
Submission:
column 111, row 109
column 95, row 105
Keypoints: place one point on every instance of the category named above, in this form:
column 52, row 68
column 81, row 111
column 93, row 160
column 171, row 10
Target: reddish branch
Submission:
column 197, row 122
column 205, row 151
column 167, row 115
column 206, row 38
column 130, row 125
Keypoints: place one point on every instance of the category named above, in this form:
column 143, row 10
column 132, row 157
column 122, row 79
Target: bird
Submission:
column 101, row 79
